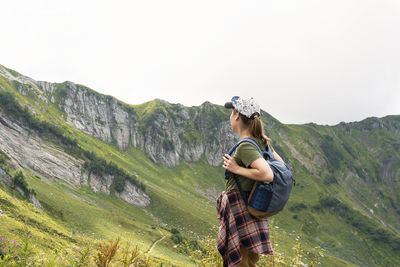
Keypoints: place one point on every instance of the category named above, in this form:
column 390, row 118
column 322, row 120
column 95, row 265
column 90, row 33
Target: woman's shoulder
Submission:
column 247, row 146
column 247, row 152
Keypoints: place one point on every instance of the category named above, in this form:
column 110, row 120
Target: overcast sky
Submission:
column 303, row 61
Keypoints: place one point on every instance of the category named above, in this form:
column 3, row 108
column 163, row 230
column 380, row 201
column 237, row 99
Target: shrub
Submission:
column 332, row 153
column 168, row 145
column 298, row 207
column 184, row 244
column 2, row 158
column 174, row 231
column 20, row 181
column 119, row 183
column 330, row 179
column 106, row 253
column 177, row 238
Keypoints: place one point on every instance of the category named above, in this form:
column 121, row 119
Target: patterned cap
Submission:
column 244, row 105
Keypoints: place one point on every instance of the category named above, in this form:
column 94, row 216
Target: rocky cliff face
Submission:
column 28, row 151
column 167, row 133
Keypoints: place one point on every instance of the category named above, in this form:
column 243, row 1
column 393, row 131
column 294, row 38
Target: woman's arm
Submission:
column 276, row 156
column 259, row 171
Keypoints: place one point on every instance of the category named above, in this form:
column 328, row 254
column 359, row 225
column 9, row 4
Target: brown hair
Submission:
column 255, row 126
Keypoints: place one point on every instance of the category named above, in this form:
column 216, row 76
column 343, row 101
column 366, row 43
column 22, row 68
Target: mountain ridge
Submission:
column 17, row 74
column 356, row 163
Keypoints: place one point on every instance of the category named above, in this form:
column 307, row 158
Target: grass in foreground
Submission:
column 127, row 253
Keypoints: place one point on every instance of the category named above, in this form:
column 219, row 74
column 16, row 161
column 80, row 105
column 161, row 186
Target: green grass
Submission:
column 348, row 153
column 99, row 218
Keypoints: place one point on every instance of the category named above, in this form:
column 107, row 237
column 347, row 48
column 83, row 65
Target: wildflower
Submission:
column 2, row 239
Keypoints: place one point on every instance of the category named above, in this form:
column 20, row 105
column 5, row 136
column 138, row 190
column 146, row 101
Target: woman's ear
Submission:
column 236, row 116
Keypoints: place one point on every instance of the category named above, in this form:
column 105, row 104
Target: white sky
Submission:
column 304, row 61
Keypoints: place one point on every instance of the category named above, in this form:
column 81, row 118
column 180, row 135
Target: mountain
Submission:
column 93, row 164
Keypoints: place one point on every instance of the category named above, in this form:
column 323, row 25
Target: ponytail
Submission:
column 255, row 126
column 257, row 130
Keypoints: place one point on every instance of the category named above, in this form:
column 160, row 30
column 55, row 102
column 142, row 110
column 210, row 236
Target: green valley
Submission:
column 101, row 169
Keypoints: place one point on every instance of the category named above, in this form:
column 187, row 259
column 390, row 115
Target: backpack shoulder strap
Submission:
column 267, row 152
column 230, row 152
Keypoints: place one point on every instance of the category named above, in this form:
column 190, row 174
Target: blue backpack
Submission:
column 266, row 199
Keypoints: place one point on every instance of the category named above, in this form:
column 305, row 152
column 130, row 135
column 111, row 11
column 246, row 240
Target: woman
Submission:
column 242, row 237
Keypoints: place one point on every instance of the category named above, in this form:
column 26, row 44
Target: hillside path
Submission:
column 155, row 242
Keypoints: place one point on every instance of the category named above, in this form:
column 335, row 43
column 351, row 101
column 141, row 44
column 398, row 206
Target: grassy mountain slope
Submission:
column 329, row 203
column 346, row 199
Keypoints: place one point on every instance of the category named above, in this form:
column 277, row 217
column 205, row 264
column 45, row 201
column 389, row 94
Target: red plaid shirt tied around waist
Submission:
column 237, row 228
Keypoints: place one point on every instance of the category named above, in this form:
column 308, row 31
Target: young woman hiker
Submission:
column 242, row 237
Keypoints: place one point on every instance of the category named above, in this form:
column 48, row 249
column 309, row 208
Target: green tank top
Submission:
column 245, row 155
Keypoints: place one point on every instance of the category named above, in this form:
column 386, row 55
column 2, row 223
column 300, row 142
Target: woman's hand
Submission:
column 230, row 164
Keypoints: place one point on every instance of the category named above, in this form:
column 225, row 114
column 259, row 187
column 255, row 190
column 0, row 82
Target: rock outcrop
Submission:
column 167, row 132
column 28, row 151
